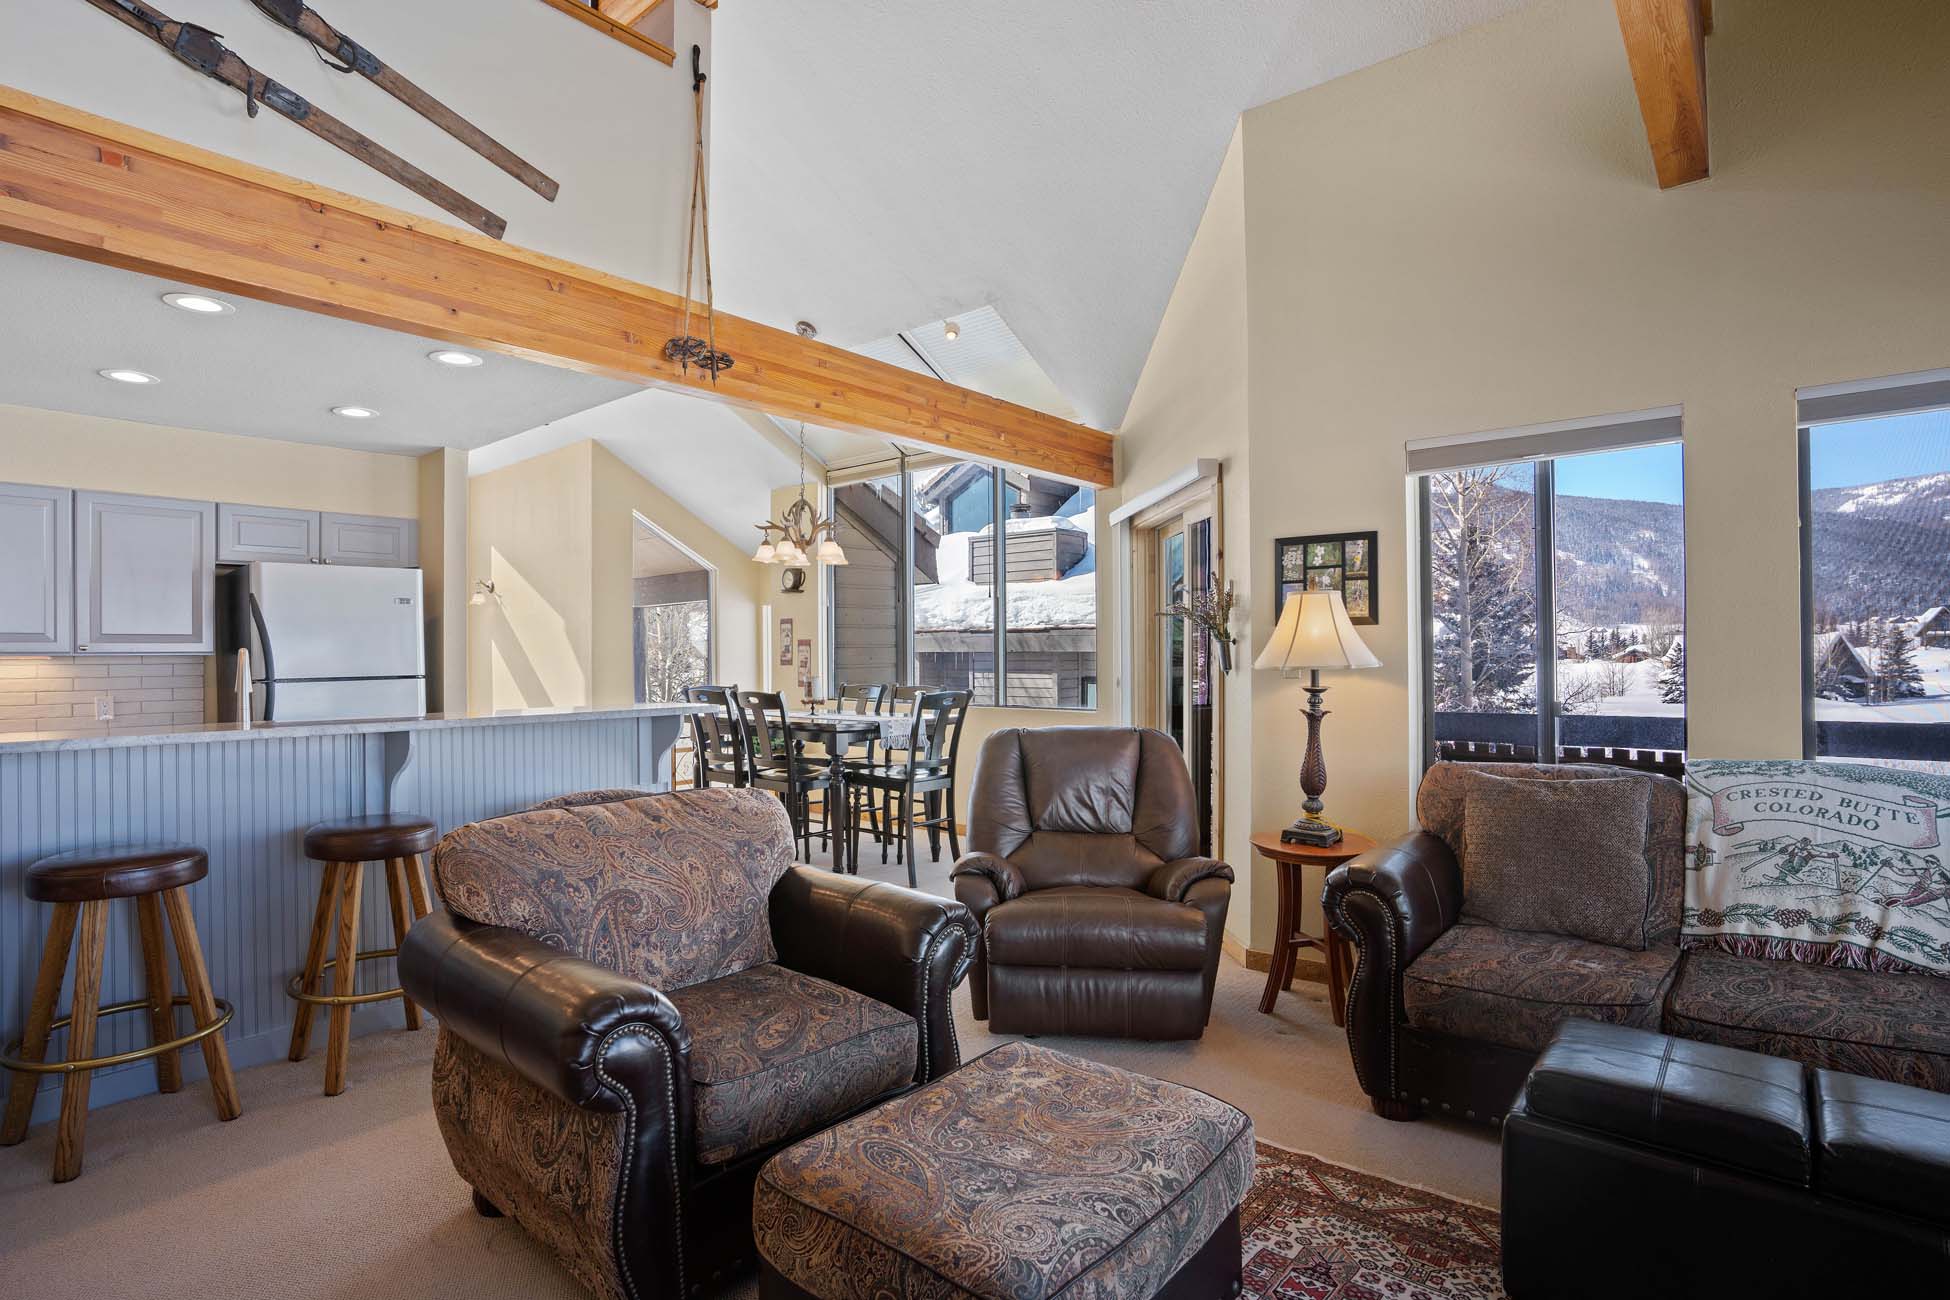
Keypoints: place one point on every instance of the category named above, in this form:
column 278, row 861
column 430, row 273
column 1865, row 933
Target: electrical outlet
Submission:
column 104, row 708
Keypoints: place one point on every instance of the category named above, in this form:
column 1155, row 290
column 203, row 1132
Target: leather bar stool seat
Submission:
column 371, row 839
column 93, row 875
column 81, row 885
column 395, row 840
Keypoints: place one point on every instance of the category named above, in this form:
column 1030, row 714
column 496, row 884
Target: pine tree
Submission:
column 1484, row 592
column 1896, row 662
column 1672, row 678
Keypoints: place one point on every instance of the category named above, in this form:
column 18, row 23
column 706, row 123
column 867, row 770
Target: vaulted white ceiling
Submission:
column 881, row 163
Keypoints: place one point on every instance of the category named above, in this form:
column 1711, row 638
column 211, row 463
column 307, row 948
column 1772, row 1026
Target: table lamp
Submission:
column 1313, row 633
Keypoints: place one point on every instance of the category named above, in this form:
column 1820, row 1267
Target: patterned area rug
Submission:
column 1316, row 1230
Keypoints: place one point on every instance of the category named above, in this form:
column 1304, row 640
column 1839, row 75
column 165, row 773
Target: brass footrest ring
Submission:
column 11, row 1061
column 344, row 999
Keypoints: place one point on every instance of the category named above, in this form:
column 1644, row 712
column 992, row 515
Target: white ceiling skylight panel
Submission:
column 975, row 349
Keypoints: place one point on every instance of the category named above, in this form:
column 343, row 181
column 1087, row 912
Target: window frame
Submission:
column 1589, row 437
column 906, row 649
column 1849, row 403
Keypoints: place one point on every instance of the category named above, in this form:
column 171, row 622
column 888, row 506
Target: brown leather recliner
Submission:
column 1098, row 916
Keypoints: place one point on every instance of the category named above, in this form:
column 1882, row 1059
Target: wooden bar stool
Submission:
column 81, row 885
column 397, row 840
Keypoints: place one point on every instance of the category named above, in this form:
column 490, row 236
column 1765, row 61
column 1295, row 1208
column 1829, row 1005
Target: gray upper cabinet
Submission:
column 145, row 572
column 370, row 539
column 37, row 575
column 246, row 533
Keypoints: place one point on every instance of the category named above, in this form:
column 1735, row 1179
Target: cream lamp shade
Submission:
column 1314, row 632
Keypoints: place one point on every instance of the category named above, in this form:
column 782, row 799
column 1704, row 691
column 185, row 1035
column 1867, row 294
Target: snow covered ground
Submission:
column 1933, row 706
column 1592, row 685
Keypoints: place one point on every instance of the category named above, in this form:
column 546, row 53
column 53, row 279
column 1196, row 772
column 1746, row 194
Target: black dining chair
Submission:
column 919, row 790
column 898, row 701
column 774, row 763
column 718, row 736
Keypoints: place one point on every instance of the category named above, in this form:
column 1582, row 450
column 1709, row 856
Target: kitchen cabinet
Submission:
column 369, row 539
column 37, row 578
column 145, row 574
column 246, row 533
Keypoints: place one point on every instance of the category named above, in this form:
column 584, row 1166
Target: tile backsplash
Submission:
column 59, row 692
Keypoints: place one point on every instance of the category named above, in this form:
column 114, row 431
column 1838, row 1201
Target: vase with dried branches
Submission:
column 1210, row 611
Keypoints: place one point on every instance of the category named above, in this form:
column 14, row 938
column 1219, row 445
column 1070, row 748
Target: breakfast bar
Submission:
column 246, row 796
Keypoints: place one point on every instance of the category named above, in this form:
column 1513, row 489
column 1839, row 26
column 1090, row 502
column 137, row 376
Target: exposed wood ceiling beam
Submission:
column 616, row 28
column 627, row 11
column 86, row 187
column 1665, row 42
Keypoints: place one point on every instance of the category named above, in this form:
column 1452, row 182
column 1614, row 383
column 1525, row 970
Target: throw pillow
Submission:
column 1563, row 857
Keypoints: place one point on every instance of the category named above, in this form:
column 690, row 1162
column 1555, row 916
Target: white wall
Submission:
column 1190, row 402
column 612, row 125
column 1469, row 237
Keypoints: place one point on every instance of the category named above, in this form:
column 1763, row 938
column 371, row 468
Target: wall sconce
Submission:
column 485, row 588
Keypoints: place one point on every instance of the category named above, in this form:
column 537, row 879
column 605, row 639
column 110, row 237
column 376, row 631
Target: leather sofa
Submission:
column 1636, row 1164
column 1098, row 914
column 1447, row 1014
column 641, row 999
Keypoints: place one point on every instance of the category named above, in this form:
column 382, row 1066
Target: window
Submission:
column 946, row 566
column 1876, row 506
column 867, row 597
column 672, row 623
column 1587, row 545
column 954, row 607
column 1051, row 578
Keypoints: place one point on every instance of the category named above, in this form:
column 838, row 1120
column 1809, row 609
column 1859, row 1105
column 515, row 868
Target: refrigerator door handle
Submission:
column 270, row 664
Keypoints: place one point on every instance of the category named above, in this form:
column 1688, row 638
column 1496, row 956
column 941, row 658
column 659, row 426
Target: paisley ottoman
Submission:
column 1025, row 1174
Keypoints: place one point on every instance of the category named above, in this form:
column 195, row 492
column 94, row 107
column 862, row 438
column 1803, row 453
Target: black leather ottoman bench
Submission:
column 1023, row 1175
column 1639, row 1165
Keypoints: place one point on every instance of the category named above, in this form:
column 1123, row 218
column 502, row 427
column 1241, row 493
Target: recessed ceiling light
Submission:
column 129, row 376
column 454, row 357
column 201, row 304
column 952, row 330
column 355, row 412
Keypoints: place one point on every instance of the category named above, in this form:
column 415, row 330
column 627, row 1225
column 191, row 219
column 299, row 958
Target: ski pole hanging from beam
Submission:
column 201, row 49
column 354, row 57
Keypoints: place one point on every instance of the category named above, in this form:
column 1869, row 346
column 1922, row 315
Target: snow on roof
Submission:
column 955, row 604
column 1825, row 644
column 1043, row 524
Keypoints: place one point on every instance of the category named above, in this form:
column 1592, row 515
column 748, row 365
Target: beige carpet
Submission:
column 352, row 1196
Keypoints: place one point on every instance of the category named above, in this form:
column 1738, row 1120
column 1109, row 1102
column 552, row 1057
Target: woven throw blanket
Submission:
column 1833, row 864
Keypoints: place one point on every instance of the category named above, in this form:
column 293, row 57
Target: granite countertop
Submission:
column 208, row 732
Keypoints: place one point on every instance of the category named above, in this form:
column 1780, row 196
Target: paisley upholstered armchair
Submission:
column 641, row 999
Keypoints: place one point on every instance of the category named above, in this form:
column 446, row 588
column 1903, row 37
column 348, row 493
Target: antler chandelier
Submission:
column 804, row 535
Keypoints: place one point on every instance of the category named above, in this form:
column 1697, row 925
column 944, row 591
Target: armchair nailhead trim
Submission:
column 1354, row 983
column 629, row 1147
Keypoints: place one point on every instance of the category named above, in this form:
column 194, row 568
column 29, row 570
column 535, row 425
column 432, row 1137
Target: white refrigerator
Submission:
column 331, row 643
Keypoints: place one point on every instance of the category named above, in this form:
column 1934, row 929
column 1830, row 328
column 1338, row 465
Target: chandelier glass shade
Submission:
column 800, row 535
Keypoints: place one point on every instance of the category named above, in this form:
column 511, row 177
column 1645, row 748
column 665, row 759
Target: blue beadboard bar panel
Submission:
column 247, row 803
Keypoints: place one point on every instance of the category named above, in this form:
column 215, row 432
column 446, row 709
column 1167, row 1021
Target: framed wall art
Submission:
column 1343, row 562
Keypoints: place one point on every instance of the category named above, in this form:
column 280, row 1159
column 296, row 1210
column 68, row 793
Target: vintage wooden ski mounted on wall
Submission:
column 201, row 49
column 354, row 57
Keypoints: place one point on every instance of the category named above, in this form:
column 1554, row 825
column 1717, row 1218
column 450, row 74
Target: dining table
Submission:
column 838, row 732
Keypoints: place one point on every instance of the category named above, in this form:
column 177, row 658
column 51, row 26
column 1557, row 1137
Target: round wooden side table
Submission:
column 1291, row 861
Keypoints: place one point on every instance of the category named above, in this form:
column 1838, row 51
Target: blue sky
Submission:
column 1840, row 455
column 1636, row 474
column 1870, row 451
